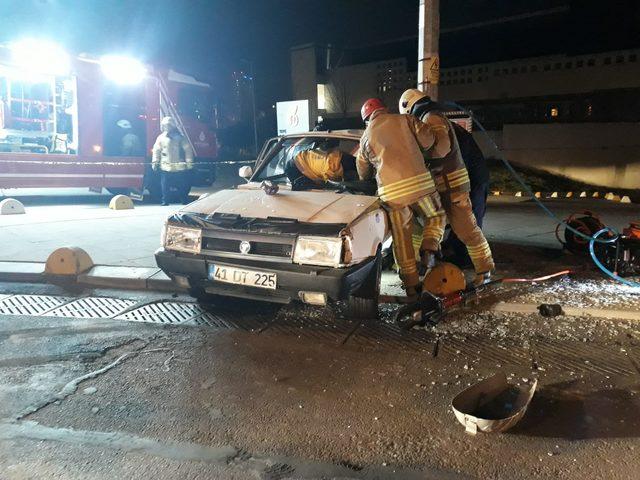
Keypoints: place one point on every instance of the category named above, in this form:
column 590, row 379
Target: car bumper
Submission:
column 336, row 283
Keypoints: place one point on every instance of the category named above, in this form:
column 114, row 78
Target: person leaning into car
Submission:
column 391, row 149
column 173, row 155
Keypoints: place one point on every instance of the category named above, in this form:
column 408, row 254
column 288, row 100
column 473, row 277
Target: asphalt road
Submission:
column 246, row 391
column 299, row 392
column 129, row 237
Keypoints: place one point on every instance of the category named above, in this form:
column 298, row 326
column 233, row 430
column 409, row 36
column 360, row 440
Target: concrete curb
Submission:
column 99, row 276
column 610, row 196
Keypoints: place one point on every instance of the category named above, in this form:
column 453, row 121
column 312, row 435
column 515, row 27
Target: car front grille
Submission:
column 228, row 245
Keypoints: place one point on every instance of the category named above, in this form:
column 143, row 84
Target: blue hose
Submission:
column 592, row 240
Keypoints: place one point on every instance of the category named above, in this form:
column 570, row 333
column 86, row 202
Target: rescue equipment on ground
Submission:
column 430, row 308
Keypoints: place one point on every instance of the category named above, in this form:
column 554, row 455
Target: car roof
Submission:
column 349, row 134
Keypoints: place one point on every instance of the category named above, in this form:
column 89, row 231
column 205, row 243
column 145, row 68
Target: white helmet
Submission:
column 409, row 98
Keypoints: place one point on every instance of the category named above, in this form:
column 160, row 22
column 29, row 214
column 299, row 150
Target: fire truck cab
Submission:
column 91, row 122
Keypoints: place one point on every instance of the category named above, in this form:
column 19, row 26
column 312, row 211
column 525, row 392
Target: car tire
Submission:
column 363, row 305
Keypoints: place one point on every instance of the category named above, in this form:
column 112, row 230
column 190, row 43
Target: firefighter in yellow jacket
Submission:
column 173, row 155
column 452, row 182
column 391, row 149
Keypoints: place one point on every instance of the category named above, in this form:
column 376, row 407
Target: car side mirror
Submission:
column 245, row 172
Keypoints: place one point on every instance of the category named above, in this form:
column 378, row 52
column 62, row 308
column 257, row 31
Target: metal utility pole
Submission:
column 428, row 47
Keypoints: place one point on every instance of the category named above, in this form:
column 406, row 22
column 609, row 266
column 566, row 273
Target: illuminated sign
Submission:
column 293, row 117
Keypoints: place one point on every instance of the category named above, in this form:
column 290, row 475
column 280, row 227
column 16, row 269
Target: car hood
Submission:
column 303, row 206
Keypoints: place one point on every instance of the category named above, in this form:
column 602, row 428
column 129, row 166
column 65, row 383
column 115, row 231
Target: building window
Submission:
column 523, row 69
column 505, row 71
column 633, row 57
column 479, row 79
column 547, row 67
column 554, row 112
column 455, row 81
column 469, row 72
column 620, row 59
column 496, row 73
column 557, row 66
column 321, row 90
column 568, row 65
column 580, row 64
column 534, row 68
column 591, row 62
column 514, row 70
column 607, row 61
column 589, row 110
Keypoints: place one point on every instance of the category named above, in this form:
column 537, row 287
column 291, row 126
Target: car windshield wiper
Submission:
column 274, row 177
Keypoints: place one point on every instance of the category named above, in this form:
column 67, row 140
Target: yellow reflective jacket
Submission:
column 392, row 147
column 320, row 166
column 444, row 158
column 172, row 153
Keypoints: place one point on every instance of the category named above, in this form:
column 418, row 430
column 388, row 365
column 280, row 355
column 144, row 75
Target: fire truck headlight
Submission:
column 123, row 70
column 40, row 56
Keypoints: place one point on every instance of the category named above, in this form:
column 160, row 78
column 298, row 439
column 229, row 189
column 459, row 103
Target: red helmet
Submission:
column 371, row 106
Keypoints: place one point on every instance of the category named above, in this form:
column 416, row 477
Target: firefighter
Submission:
column 391, row 149
column 452, row 180
column 173, row 155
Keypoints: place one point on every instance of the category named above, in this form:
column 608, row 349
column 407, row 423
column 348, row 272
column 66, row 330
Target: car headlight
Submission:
column 318, row 251
column 183, row 239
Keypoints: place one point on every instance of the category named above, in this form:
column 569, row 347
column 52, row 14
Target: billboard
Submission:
column 293, row 117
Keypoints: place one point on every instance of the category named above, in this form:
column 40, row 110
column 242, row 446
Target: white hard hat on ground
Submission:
column 409, row 98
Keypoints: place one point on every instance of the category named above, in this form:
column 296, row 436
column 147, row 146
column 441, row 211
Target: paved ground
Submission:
column 86, row 222
column 226, row 392
column 303, row 393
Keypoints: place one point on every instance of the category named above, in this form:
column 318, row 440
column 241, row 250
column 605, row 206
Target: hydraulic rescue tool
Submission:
column 432, row 307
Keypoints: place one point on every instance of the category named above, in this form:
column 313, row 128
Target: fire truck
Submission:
column 91, row 122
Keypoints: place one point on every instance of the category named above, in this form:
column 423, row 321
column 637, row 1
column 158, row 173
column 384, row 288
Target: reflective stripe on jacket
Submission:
column 172, row 153
column 444, row 158
column 391, row 145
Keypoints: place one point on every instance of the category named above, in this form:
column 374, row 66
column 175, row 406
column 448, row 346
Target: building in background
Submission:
column 577, row 115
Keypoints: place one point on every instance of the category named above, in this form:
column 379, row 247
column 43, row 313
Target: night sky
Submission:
column 209, row 38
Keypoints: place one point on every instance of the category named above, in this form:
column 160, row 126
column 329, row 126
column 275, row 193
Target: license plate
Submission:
column 239, row 276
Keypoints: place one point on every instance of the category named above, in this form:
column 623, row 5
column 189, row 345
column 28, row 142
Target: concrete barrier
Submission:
column 121, row 202
column 11, row 206
column 68, row 261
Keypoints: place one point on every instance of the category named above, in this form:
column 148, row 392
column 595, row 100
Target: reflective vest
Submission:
column 391, row 146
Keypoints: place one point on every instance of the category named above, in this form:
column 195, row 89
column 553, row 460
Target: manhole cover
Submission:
column 30, row 304
column 163, row 312
column 92, row 307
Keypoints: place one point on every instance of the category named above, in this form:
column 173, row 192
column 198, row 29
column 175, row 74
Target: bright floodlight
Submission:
column 123, row 70
column 40, row 56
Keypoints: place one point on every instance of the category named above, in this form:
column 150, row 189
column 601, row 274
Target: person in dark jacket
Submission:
column 420, row 104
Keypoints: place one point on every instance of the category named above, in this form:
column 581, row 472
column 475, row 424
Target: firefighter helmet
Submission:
column 409, row 98
column 370, row 106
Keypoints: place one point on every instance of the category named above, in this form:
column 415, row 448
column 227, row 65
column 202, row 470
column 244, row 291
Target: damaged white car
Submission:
column 302, row 228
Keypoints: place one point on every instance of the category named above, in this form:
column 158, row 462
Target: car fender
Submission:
column 365, row 234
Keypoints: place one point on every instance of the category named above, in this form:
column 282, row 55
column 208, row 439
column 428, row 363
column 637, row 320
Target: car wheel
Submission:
column 364, row 305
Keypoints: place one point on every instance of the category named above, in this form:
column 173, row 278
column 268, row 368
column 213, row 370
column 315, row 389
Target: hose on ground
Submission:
column 591, row 239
